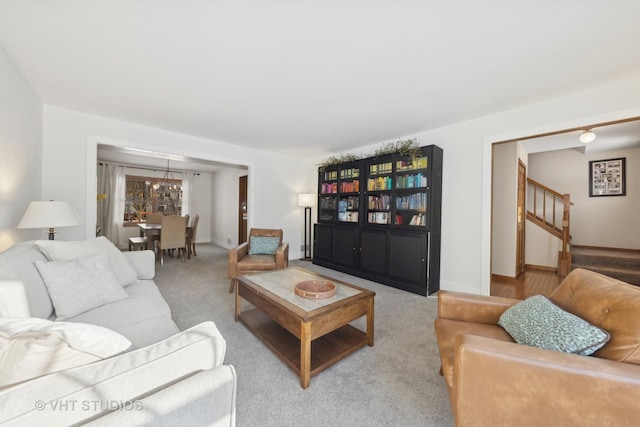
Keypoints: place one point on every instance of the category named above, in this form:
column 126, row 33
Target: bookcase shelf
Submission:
column 379, row 218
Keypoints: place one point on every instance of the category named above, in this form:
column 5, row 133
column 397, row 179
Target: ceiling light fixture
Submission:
column 168, row 181
column 587, row 136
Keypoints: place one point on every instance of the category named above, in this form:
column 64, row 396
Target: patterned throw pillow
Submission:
column 538, row 322
column 263, row 245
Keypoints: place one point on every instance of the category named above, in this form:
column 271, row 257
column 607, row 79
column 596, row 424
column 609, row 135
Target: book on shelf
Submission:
column 351, row 216
column 349, row 173
column 380, row 168
column 418, row 219
column 331, row 176
column 418, row 163
column 378, row 218
column 380, row 183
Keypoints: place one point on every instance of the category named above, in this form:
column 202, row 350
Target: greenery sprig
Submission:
column 338, row 159
column 409, row 147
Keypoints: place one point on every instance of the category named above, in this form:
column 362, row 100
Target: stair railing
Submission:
column 551, row 211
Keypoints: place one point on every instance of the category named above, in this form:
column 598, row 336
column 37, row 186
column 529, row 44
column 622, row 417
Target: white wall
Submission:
column 224, row 222
column 466, row 196
column 595, row 221
column 541, row 247
column 70, row 141
column 504, row 222
column 20, row 152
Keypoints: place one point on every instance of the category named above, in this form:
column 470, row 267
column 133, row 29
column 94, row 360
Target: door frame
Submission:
column 521, row 206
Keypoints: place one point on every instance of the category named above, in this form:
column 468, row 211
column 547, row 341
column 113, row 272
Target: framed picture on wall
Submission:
column 607, row 177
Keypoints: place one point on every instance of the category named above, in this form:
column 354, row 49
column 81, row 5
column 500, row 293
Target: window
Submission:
column 146, row 195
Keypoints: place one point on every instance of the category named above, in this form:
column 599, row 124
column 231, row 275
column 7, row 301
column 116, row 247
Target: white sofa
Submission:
column 166, row 377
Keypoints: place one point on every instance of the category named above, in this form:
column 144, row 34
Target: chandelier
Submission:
column 167, row 182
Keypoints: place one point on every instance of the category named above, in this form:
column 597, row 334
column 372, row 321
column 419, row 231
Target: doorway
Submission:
column 242, row 209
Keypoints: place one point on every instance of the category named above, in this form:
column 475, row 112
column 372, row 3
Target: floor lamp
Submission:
column 307, row 200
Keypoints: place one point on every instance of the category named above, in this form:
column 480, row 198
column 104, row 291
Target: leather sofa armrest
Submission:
column 472, row 308
column 235, row 255
column 501, row 383
column 282, row 256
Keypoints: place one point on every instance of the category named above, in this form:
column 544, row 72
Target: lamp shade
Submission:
column 49, row 214
column 306, row 199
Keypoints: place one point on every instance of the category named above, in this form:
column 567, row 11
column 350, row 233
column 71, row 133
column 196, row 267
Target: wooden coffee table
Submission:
column 309, row 335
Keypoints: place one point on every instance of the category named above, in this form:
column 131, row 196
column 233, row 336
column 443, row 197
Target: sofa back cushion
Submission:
column 18, row 263
column 608, row 303
column 60, row 250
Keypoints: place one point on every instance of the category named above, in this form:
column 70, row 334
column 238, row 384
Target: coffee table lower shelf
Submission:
column 325, row 350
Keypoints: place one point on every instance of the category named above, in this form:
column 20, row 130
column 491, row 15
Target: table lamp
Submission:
column 49, row 214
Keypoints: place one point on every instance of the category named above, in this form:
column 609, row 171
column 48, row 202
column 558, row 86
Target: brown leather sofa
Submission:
column 240, row 262
column 493, row 381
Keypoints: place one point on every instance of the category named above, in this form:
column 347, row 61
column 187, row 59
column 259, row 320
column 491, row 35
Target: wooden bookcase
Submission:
column 379, row 218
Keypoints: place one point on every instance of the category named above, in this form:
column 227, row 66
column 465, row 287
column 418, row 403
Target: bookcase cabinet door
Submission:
column 408, row 258
column 373, row 251
column 345, row 245
column 323, row 242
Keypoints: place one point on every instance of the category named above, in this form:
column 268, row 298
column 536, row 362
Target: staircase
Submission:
column 620, row 264
column 551, row 211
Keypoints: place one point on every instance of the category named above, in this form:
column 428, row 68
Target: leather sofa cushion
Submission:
column 446, row 332
column 257, row 263
column 607, row 303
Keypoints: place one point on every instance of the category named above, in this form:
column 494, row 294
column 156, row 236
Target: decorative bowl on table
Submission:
column 315, row 289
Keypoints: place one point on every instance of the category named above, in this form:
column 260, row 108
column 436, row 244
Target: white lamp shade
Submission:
column 49, row 214
column 306, row 199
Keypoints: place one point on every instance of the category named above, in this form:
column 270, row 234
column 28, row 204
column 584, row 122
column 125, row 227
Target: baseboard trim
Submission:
column 540, row 267
column 604, row 248
column 501, row 278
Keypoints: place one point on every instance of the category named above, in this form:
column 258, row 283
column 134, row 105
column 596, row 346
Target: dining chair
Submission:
column 191, row 234
column 172, row 236
column 154, row 218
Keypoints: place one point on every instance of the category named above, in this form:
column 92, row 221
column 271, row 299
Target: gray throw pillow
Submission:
column 263, row 245
column 61, row 250
column 538, row 322
column 80, row 285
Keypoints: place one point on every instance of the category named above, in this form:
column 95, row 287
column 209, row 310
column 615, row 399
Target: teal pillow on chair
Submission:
column 538, row 322
column 259, row 245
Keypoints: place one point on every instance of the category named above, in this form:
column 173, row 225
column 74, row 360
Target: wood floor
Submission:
column 531, row 282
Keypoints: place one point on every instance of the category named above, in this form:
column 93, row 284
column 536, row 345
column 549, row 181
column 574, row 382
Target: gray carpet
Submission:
column 393, row 383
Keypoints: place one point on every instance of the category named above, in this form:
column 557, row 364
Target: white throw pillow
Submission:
column 60, row 250
column 80, row 285
column 31, row 347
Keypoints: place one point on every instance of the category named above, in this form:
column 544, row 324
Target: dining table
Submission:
column 150, row 230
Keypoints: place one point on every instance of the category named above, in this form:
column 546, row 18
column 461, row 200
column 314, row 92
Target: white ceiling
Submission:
column 158, row 160
column 608, row 138
column 306, row 77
